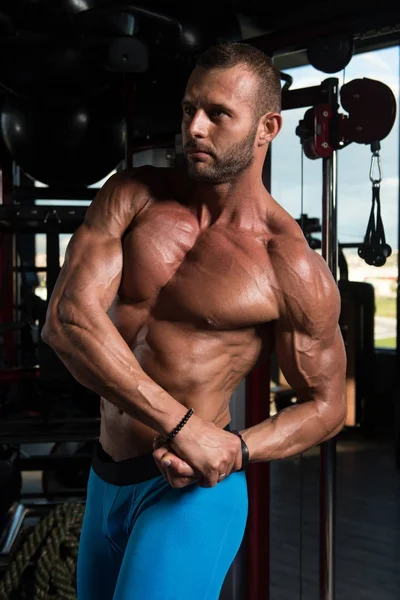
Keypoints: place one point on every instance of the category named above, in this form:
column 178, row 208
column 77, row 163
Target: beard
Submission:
column 225, row 167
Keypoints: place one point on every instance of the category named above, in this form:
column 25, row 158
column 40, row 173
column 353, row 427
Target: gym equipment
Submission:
column 10, row 481
column 323, row 132
column 44, row 562
column 258, row 483
column 127, row 55
column 79, row 145
column 49, row 390
column 332, row 53
column 59, row 73
column 359, row 97
column 52, row 222
column 374, row 250
column 186, row 33
column 357, row 327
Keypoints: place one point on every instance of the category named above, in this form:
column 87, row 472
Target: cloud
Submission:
column 390, row 182
column 375, row 59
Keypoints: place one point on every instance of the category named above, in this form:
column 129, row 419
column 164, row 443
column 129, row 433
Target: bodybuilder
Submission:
column 178, row 282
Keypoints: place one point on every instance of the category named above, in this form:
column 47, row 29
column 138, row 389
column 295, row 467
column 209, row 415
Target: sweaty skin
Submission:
column 174, row 287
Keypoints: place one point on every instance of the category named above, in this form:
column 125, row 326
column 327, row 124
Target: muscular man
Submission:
column 177, row 283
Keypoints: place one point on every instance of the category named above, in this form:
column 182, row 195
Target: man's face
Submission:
column 218, row 125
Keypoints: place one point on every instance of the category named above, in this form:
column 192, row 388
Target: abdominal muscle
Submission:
column 199, row 369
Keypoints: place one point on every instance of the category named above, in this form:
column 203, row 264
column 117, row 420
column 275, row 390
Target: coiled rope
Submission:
column 44, row 567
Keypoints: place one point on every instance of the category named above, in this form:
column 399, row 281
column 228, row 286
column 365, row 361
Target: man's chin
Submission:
column 198, row 173
column 202, row 178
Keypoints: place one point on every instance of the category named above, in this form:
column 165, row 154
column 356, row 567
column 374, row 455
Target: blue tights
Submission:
column 148, row 541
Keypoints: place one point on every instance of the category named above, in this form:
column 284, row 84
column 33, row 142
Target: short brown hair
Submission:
column 226, row 55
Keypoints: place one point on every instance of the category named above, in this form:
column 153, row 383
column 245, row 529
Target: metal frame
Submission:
column 257, row 399
column 328, row 449
column 258, row 484
column 7, row 246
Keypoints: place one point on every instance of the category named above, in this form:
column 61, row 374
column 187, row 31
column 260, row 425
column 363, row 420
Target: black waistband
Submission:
column 128, row 471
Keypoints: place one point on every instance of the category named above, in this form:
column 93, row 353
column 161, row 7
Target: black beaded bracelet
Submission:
column 168, row 439
column 245, row 451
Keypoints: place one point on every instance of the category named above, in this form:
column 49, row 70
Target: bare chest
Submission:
column 217, row 278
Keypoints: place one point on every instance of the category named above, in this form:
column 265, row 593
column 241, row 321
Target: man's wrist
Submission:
column 244, row 449
column 169, row 437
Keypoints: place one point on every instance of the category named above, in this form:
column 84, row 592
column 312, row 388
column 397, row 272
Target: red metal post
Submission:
column 258, row 483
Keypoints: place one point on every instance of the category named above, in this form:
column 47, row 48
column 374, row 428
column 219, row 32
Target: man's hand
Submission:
column 200, row 453
column 174, row 470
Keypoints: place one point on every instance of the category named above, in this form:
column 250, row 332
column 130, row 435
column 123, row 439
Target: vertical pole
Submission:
column 398, row 282
column 257, row 543
column 328, row 449
column 397, row 387
column 129, row 101
column 258, row 484
column 7, row 247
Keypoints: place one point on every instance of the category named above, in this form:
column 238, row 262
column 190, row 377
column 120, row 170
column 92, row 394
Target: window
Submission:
column 354, row 186
column 40, row 238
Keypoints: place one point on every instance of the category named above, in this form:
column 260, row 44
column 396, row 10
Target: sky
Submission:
column 354, row 186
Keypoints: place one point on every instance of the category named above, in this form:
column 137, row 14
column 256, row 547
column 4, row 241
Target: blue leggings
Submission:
column 148, row 541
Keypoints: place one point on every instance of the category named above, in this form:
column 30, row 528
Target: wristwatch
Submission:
column 245, row 451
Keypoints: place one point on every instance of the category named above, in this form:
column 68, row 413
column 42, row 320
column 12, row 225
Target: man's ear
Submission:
column 270, row 126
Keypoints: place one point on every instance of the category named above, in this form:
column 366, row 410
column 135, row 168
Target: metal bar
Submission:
column 52, row 258
column 294, row 38
column 36, row 429
column 258, row 483
column 350, row 244
column 398, row 285
column 23, row 269
column 257, row 542
column 7, row 259
column 328, row 449
column 15, row 213
column 12, row 528
column 21, row 193
column 130, row 91
column 18, row 374
column 303, row 97
column 329, row 241
column 89, row 15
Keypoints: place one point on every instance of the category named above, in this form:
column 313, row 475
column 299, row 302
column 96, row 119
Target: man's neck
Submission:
column 228, row 202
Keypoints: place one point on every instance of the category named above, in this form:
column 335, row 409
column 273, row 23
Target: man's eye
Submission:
column 216, row 114
column 189, row 110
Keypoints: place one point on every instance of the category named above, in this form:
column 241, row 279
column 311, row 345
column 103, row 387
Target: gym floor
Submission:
column 367, row 521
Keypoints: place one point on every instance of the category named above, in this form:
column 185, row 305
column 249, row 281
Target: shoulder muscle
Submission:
column 120, row 199
column 309, row 297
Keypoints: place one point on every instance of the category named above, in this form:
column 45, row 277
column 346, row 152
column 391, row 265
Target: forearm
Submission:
column 293, row 431
column 98, row 357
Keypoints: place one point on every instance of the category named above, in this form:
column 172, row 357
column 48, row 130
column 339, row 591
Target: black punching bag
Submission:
column 70, row 146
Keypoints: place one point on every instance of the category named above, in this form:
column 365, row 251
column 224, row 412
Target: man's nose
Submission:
column 198, row 126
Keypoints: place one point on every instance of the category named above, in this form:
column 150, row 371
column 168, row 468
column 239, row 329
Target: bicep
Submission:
column 309, row 343
column 312, row 364
column 91, row 272
column 92, row 268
